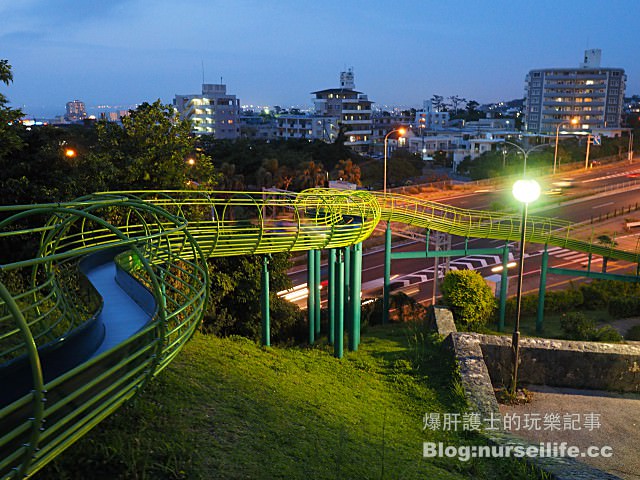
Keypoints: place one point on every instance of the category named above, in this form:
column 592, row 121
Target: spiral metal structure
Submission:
column 58, row 377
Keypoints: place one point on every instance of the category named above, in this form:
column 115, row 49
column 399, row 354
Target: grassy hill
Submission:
column 230, row 409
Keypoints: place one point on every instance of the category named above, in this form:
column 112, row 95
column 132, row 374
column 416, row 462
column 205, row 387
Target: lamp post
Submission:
column 526, row 153
column 574, row 121
column 525, row 191
column 401, row 131
column 387, row 238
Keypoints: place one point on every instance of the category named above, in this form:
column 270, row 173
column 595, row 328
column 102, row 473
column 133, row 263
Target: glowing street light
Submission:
column 574, row 122
column 526, row 152
column 191, row 161
column 387, row 238
column 401, row 131
column 69, row 153
column 525, row 191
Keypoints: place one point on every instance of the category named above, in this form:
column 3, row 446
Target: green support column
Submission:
column 264, row 303
column 311, row 307
column 331, row 301
column 347, row 289
column 318, row 301
column 541, row 290
column 339, row 327
column 504, row 284
column 387, row 274
column 356, row 284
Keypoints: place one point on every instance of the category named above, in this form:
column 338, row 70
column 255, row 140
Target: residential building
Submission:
column 430, row 118
column 75, row 111
column 350, row 108
column 214, row 112
column 257, row 126
column 589, row 93
column 294, row 126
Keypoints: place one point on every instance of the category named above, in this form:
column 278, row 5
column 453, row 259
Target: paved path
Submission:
column 619, row 419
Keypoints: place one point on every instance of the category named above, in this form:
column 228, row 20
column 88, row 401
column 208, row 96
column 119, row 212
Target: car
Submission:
column 554, row 191
column 564, row 183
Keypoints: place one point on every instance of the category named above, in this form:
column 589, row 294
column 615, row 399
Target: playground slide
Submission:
column 67, row 362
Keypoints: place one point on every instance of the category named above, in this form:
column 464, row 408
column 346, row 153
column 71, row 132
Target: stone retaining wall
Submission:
column 564, row 363
column 471, row 352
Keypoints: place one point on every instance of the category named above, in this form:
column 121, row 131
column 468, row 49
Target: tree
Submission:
column 469, row 297
column 234, row 310
column 9, row 117
column 152, row 149
column 438, row 103
column 348, row 171
column 455, row 101
column 309, row 175
column 472, row 107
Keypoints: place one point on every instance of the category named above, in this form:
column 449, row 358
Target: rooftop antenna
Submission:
column 220, row 79
column 202, row 70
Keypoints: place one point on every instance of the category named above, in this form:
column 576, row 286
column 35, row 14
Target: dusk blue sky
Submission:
column 275, row 52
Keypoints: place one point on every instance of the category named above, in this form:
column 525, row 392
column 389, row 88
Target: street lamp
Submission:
column 401, row 131
column 574, row 121
column 387, row 238
column 525, row 191
column 526, row 153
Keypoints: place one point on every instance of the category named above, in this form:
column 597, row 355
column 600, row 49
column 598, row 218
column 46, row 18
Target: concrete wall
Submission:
column 564, row 363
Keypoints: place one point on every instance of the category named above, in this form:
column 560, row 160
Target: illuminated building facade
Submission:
column 215, row 112
column 75, row 111
column 349, row 109
column 591, row 94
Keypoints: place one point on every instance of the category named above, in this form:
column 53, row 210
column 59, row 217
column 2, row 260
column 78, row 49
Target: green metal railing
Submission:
column 163, row 238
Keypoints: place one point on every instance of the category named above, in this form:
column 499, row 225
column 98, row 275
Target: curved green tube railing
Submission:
column 163, row 239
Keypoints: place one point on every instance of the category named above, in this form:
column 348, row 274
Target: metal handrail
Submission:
column 168, row 236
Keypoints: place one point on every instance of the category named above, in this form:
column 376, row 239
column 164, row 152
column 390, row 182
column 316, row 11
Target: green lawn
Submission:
column 229, row 409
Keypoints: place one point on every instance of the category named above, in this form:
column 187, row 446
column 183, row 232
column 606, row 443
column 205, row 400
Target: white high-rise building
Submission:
column 590, row 95
column 213, row 113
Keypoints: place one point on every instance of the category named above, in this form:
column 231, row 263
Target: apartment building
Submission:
column 590, row 94
column 349, row 108
column 293, row 126
column 214, row 112
column 75, row 111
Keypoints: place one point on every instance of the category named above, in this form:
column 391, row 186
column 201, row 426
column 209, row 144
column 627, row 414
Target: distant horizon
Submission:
column 126, row 52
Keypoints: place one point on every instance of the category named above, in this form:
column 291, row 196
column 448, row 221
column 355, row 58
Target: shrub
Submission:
column 576, row 326
column 558, row 301
column 633, row 333
column 405, row 308
column 607, row 334
column 469, row 297
column 623, row 307
column 594, row 297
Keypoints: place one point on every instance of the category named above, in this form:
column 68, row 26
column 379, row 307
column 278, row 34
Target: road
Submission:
column 579, row 203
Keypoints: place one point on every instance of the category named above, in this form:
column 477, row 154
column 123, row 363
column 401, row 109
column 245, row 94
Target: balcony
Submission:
column 357, row 142
column 576, row 76
column 356, row 112
column 356, row 122
column 358, row 132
